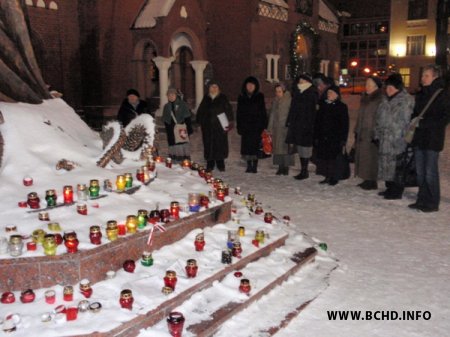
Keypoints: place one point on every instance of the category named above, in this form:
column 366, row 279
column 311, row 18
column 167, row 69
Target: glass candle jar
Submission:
column 49, row 245
column 71, row 242
column 107, row 185
column 33, row 200
column 68, row 194
column 147, row 259
column 151, row 165
column 112, row 231
column 268, row 217
column 175, row 323
column 15, row 245
column 95, row 235
column 86, row 288
column 226, row 256
column 31, row 246
column 131, row 224
column 191, row 268
column 120, row 183
column 82, row 208
column 128, row 180
column 50, row 296
column 237, row 249
column 129, row 266
column 245, row 286
column 8, row 297
column 142, row 218
column 82, row 192
column 68, row 293
column 199, row 242
column 38, row 236
column 140, row 175
column 201, row 172
column 170, row 280
column 186, row 163
column 126, row 299
column 194, row 202
column 241, row 231
column 175, row 209
column 27, row 296
column 220, row 194
column 94, row 188
column 260, row 236
column 50, row 198
column 43, row 216
column 169, row 162
column 204, row 201
column 195, row 166
column 164, row 215
column 259, row 210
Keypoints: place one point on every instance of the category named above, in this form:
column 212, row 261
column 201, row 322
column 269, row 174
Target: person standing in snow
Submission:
column 393, row 116
column 366, row 151
column 330, row 134
column 214, row 136
column 278, row 130
column 429, row 138
column 176, row 109
column 251, row 120
column 131, row 107
column 301, row 119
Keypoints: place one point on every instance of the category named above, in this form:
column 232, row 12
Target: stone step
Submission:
column 209, row 326
column 132, row 327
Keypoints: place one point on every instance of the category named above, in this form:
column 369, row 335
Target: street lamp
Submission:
column 353, row 65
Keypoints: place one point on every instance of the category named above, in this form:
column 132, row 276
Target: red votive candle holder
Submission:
column 122, row 229
column 27, row 181
column 71, row 313
column 31, row 246
column 50, row 297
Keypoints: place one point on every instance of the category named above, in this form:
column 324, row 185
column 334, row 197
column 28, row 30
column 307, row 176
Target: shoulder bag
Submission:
column 180, row 131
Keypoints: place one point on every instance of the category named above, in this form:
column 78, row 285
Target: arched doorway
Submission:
column 302, row 54
column 182, row 74
column 146, row 75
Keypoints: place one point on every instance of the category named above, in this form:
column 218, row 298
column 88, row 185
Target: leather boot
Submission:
column 255, row 166
column 286, row 171
column 210, row 165
column 304, row 174
column 249, row 167
column 280, row 170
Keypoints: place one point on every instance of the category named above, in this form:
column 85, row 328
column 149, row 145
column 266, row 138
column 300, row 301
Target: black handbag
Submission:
column 342, row 166
column 405, row 168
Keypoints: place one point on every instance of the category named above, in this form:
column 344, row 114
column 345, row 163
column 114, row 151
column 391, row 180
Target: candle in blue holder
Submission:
column 194, row 202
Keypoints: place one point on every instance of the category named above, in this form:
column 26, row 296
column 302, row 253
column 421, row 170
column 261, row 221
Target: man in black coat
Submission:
column 301, row 120
column 131, row 107
column 429, row 138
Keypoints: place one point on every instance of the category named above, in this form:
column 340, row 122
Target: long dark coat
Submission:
column 127, row 112
column 331, row 129
column 430, row 134
column 251, row 120
column 366, row 154
column 301, row 118
column 215, row 139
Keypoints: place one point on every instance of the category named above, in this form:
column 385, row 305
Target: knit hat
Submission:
column 213, row 82
column 335, row 88
column 377, row 81
column 133, row 92
column 171, row 91
column 304, row 76
column 395, row 80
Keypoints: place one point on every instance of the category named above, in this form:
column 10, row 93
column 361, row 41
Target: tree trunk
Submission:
column 20, row 77
column 441, row 34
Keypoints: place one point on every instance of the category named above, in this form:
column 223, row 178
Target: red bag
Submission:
column 266, row 142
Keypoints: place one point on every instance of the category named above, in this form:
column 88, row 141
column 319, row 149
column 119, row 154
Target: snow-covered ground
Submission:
column 389, row 257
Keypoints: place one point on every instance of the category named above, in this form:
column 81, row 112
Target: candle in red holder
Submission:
column 195, row 166
column 151, row 165
column 175, row 209
column 199, row 242
column 50, row 296
column 186, row 163
column 217, row 183
column 286, row 219
column 27, row 181
column 8, row 298
column 208, row 176
column 164, row 215
column 121, row 229
column 71, row 242
column 259, row 210
column 129, row 266
column 268, row 217
column 140, row 175
column 126, row 299
column 58, row 238
column 175, row 323
column 68, row 293
column 220, row 194
column 191, row 268
column 245, row 286
column 201, row 172
column 169, row 162
column 31, row 246
column 170, row 280
column 86, row 288
column 71, row 313
column 158, row 159
column 33, row 200
column 204, row 201
column 23, row 204
column 95, row 235
column 82, row 208
column 27, row 296
column 236, row 251
column 68, row 194
column 154, row 216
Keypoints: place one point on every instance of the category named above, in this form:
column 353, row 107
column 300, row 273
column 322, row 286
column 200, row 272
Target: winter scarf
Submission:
column 180, row 110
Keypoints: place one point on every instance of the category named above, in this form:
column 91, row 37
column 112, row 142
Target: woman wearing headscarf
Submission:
column 393, row 116
column 366, row 151
column 331, row 132
column 277, row 127
column 176, row 111
column 301, row 121
column 215, row 137
column 131, row 107
column 251, row 118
